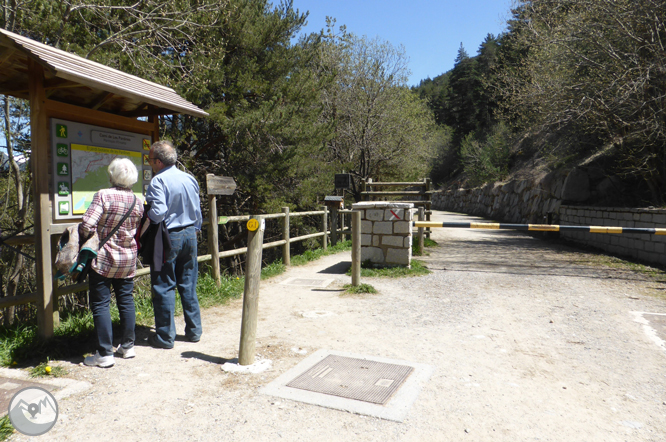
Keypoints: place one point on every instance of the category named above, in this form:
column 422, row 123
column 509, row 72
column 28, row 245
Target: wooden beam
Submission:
column 6, row 56
column 100, row 100
column 153, row 111
column 40, row 174
column 66, row 111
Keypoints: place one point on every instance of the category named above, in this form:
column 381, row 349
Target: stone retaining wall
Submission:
column 643, row 247
column 541, row 202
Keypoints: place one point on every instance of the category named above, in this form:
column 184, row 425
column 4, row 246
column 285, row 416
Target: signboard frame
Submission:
column 67, row 136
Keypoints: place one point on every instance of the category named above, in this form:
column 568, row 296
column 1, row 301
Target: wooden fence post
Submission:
column 213, row 243
column 324, row 227
column 356, row 248
column 334, row 225
column 255, row 240
column 286, row 259
column 421, row 215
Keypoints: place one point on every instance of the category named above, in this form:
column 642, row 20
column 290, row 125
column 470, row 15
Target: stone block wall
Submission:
column 643, row 247
column 549, row 199
column 386, row 232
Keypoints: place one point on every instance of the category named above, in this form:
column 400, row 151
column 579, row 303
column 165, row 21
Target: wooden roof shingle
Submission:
column 86, row 83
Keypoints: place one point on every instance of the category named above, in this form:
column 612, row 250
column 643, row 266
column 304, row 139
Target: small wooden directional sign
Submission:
column 220, row 185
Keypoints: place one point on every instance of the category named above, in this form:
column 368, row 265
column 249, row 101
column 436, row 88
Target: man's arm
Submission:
column 156, row 198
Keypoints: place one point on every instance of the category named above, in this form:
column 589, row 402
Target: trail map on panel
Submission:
column 89, row 173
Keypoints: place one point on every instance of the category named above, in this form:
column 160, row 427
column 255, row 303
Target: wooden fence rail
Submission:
column 284, row 242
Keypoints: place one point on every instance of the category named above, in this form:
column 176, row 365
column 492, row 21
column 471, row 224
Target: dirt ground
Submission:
column 530, row 341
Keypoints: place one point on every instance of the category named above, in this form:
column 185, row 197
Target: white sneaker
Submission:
column 99, row 361
column 125, row 353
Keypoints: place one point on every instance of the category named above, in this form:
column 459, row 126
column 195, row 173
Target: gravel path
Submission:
column 529, row 342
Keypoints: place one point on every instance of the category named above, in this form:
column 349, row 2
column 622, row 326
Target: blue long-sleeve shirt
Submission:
column 173, row 196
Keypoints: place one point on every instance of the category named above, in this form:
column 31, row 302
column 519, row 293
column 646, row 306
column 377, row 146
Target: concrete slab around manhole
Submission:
column 306, row 282
column 12, row 381
column 654, row 325
column 379, row 387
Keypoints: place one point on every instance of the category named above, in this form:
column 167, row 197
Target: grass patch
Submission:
column 427, row 242
column 368, row 271
column 20, row 346
column 46, row 369
column 312, row 255
column 6, row 428
column 359, row 289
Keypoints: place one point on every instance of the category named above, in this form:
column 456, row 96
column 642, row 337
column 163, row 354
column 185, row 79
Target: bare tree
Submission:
column 597, row 65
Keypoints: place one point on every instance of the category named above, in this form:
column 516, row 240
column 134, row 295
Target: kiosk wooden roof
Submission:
column 65, row 86
column 75, row 80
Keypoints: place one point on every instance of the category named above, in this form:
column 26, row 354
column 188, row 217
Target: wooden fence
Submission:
column 213, row 246
column 418, row 193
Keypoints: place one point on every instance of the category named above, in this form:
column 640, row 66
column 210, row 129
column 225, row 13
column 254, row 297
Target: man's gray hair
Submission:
column 165, row 152
column 123, row 173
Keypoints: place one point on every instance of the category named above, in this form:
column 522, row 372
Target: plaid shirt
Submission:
column 117, row 259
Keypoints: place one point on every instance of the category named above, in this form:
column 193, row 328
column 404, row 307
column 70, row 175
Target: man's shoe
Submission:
column 193, row 339
column 126, row 353
column 99, row 361
column 153, row 342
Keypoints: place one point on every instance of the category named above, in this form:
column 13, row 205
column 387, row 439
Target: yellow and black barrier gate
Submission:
column 541, row 227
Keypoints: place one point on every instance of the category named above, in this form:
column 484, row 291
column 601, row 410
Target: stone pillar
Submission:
column 386, row 232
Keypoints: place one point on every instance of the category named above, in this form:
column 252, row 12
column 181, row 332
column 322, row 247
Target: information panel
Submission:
column 81, row 154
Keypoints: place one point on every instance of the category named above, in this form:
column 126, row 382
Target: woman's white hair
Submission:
column 123, row 173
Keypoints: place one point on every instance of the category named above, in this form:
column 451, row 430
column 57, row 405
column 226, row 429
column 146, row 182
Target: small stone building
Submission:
column 386, row 232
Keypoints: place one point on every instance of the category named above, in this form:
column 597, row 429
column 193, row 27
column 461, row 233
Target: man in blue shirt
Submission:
column 173, row 197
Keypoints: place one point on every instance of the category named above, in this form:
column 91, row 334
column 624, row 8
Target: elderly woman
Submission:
column 115, row 264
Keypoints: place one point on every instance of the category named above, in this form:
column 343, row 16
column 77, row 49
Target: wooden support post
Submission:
column 421, row 214
column 356, row 248
column 334, row 226
column 39, row 129
column 56, row 310
column 213, row 240
column 324, row 227
column 255, row 240
column 286, row 259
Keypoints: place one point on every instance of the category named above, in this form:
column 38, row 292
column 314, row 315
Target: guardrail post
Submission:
column 421, row 216
column 334, row 226
column 213, row 242
column 428, row 198
column 324, row 227
column 356, row 248
column 255, row 240
column 286, row 259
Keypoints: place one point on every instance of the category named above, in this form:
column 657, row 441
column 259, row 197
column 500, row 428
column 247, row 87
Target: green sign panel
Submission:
column 63, row 188
column 63, row 207
column 63, row 169
column 62, row 150
column 61, row 131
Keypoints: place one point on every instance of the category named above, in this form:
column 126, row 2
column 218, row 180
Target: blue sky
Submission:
column 430, row 30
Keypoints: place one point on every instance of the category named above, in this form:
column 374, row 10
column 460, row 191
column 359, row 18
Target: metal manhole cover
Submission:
column 351, row 378
column 9, row 387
